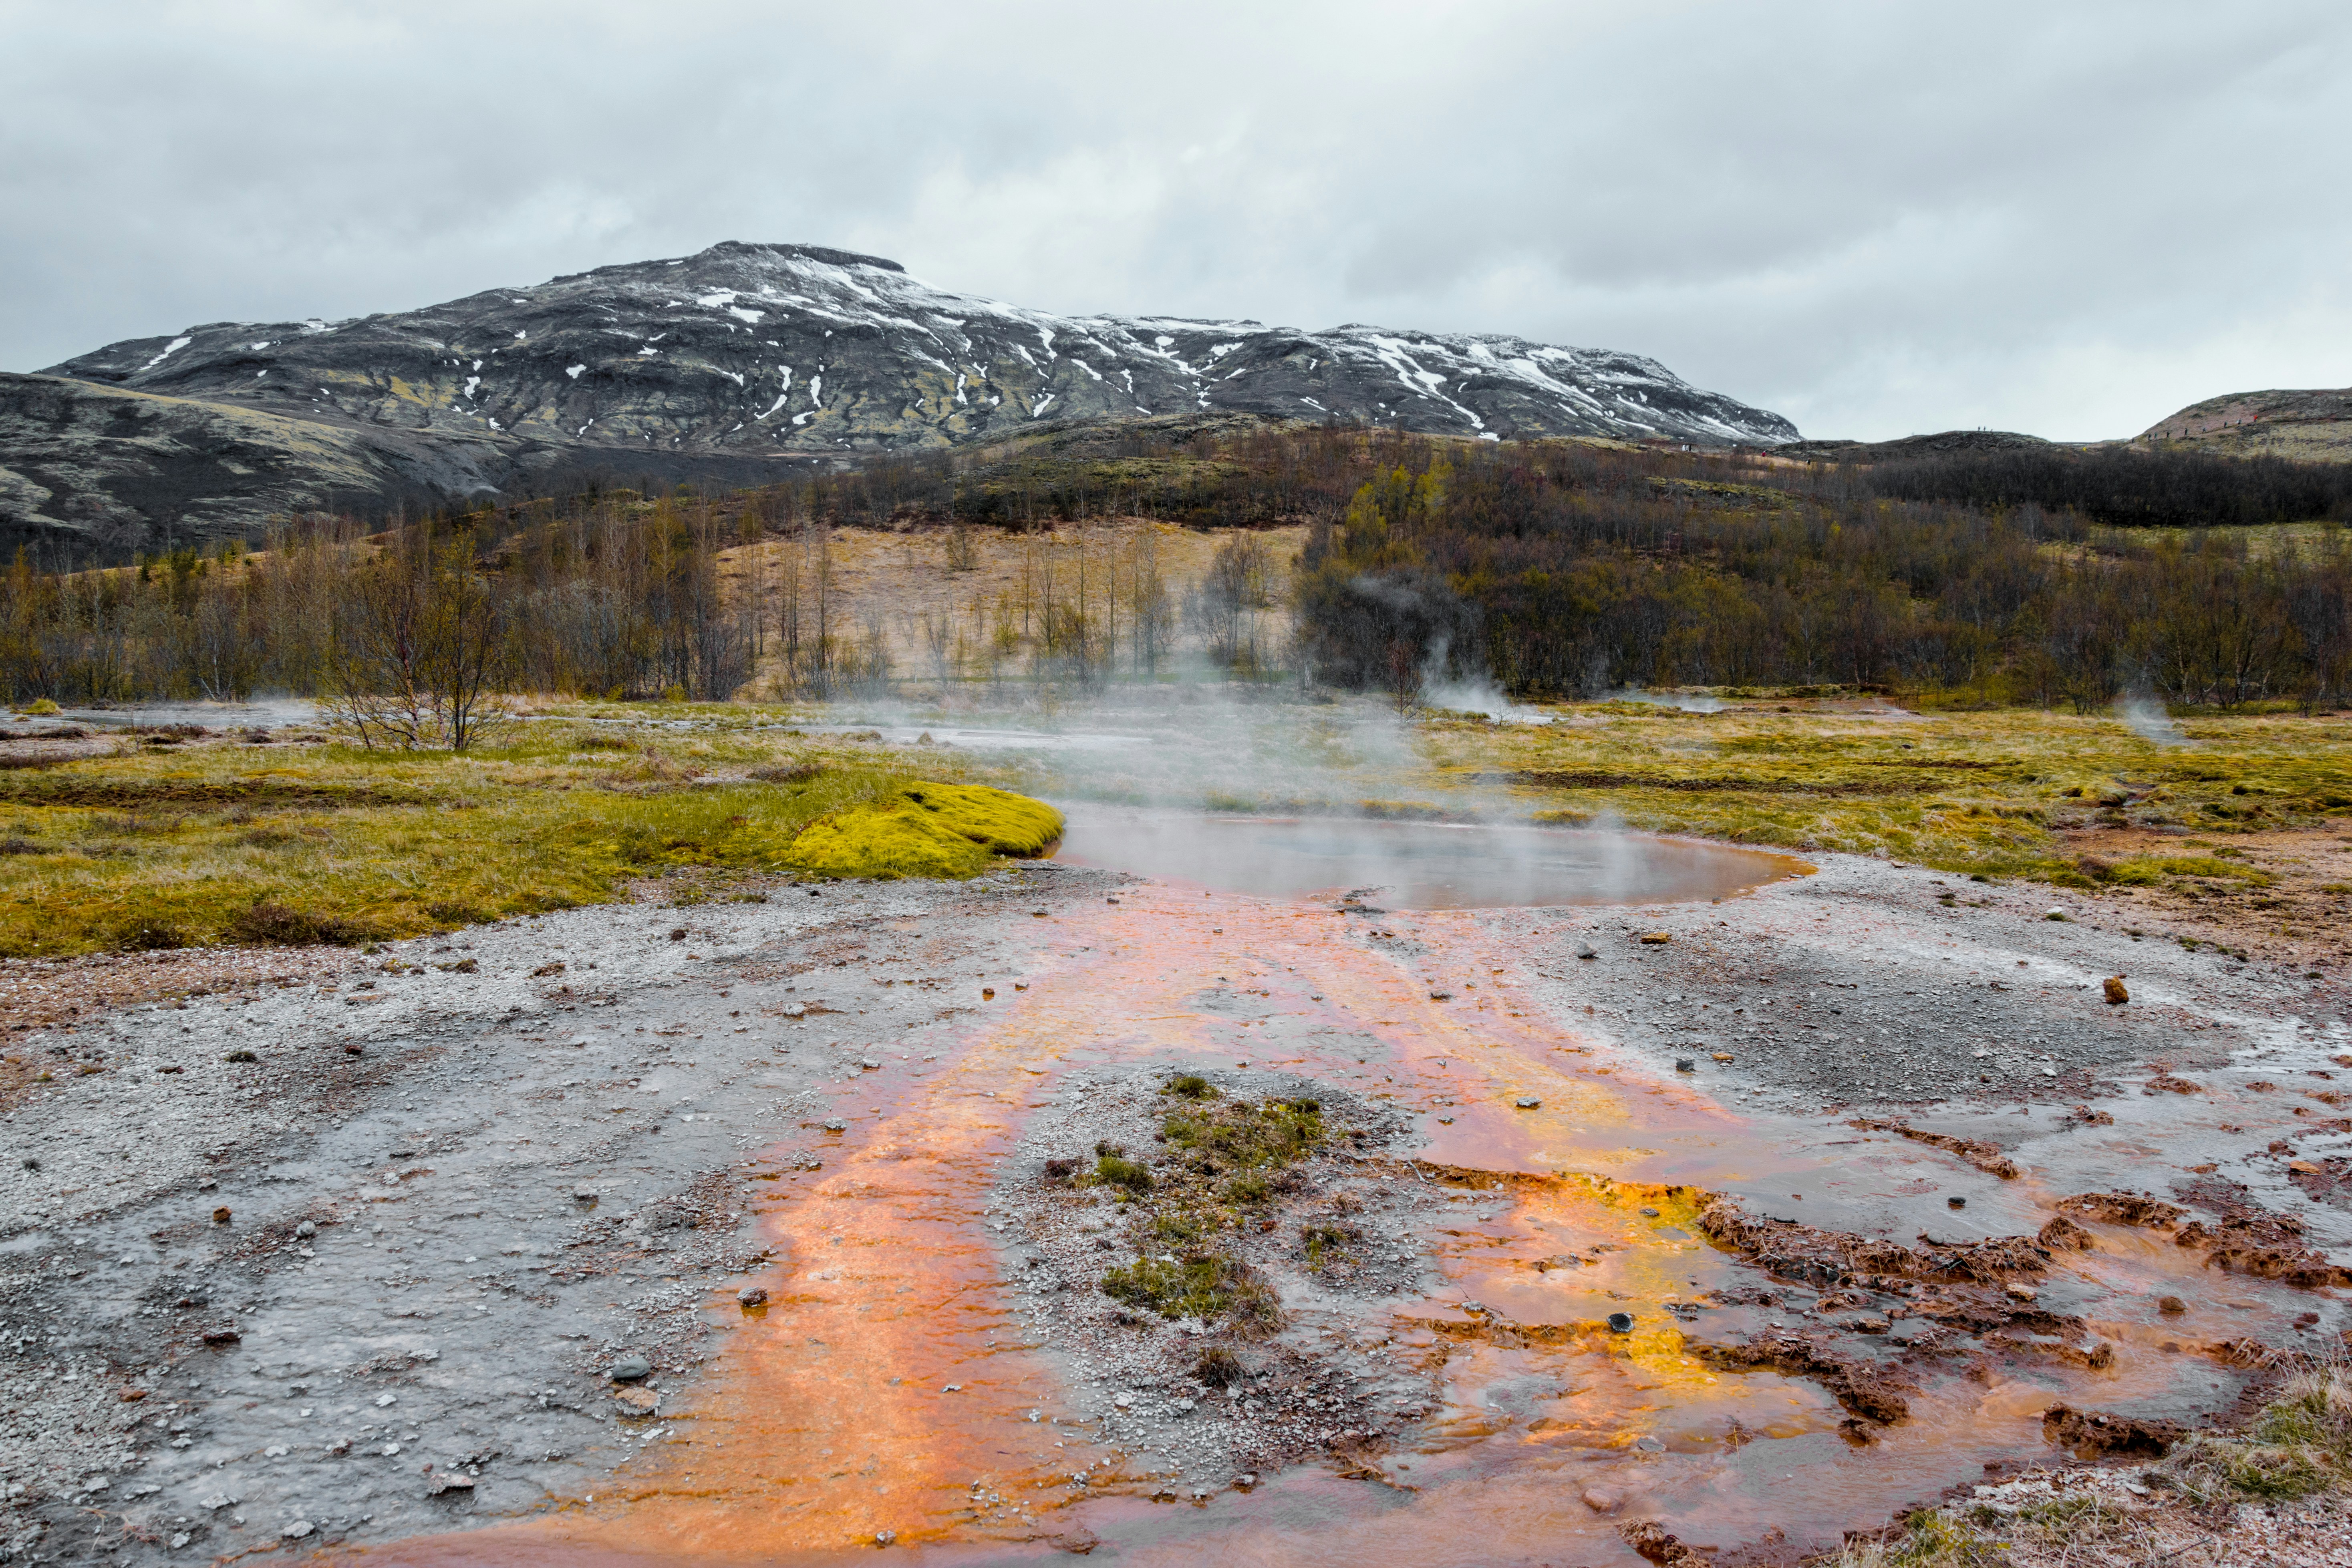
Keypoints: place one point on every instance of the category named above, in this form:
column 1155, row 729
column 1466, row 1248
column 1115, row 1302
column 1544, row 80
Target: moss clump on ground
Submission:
column 1209, row 1286
column 926, row 830
column 225, row 842
column 1226, row 1156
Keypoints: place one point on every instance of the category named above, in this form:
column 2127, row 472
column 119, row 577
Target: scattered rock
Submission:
column 1620, row 1322
column 2063, row 1235
column 545, row 970
column 1656, row 938
column 2124, row 1208
column 450, row 1481
column 1653, row 1542
column 1586, row 950
column 2171, row 1305
column 221, row 1215
column 630, row 1369
column 2091, row 1434
column 1685, row 1064
column 307, row 1229
column 2113, row 986
column 752, row 1296
column 1864, row 1388
column 1527, row 1102
column 1603, row 1499
column 1985, row 1157
column 298, row 1529
column 795, row 1010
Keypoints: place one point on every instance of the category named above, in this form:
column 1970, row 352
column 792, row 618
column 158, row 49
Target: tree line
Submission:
column 1555, row 568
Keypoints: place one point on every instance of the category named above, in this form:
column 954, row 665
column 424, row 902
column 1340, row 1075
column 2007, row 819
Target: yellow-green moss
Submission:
column 926, row 830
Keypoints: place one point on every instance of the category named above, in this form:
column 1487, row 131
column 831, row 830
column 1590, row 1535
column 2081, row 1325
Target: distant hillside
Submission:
column 2314, row 426
column 742, row 360
column 1907, row 446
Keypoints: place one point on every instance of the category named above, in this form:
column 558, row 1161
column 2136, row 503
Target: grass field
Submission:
column 1995, row 793
column 221, row 841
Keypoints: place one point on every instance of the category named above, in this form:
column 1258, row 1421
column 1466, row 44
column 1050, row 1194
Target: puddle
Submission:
column 1413, row 865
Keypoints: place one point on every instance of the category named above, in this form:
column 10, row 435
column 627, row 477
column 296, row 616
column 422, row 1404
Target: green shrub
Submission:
column 1112, row 1171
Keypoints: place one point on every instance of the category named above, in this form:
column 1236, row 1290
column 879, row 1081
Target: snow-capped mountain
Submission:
column 725, row 367
column 780, row 348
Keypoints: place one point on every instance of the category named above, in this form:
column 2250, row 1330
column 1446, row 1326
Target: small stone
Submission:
column 836, row 1126
column 307, row 1229
column 1686, row 1064
column 885, row 1537
column 354, row 1048
column 1620, row 1322
column 795, row 1010
column 1956, row 1202
column 2113, row 986
column 2018, row 1291
column 583, row 1194
column 1656, row 938
column 988, row 993
column 867, row 1064
column 2054, row 915
column 297, row 1531
column 1246, row 1481
column 1527, row 1102
column 1124, row 1401
column 1723, row 1056
column 221, row 1337
column 1649, row 1445
column 1586, row 950
column 630, row 1369
column 1603, row 1499
column 2168, row 1305
column 752, row 1296
column 451, row 1482
column 221, row 1215
column 1649, row 1212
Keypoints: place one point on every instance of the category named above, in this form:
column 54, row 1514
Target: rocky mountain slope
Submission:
column 2312, row 424
column 728, row 361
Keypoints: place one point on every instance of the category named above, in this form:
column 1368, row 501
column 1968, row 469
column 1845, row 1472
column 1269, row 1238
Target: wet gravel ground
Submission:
column 1870, row 983
column 456, row 1189
column 463, row 1180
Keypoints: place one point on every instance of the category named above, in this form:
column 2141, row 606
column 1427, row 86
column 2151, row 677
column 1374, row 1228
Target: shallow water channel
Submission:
column 912, row 1354
column 1412, row 865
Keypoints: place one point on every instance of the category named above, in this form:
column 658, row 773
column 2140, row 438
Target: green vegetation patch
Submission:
column 1211, row 1286
column 1226, row 1157
column 204, row 844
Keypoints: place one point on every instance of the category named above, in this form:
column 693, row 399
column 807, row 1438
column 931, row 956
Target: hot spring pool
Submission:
column 1412, row 865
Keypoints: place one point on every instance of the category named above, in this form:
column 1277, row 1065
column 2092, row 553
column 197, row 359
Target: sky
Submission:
column 1875, row 219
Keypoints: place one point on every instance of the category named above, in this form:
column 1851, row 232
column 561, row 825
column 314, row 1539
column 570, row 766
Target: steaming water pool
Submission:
column 1413, row 865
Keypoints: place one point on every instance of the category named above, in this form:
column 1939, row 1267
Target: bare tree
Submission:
column 416, row 655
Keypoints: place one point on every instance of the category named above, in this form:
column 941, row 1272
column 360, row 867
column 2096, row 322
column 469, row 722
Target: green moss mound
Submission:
column 926, row 830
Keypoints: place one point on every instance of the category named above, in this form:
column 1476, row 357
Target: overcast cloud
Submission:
column 1874, row 219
